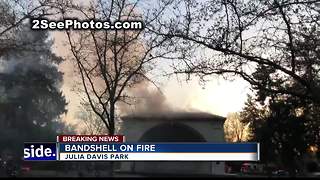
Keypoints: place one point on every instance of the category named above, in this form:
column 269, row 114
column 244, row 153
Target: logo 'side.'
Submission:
column 40, row 151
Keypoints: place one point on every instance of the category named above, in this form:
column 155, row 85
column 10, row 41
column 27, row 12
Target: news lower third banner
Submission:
column 109, row 148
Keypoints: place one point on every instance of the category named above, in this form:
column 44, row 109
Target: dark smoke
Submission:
column 150, row 102
column 146, row 99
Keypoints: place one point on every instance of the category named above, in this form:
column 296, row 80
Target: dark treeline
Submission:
column 31, row 102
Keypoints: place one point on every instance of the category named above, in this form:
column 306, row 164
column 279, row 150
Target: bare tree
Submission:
column 13, row 15
column 234, row 38
column 236, row 130
column 108, row 61
column 90, row 123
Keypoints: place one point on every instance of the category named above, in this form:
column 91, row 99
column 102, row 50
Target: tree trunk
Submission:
column 111, row 132
column 112, row 119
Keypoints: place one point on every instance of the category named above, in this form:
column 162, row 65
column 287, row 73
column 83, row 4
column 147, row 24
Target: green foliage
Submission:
column 31, row 101
column 285, row 126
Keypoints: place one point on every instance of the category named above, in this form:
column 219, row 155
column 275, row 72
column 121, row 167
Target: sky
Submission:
column 217, row 96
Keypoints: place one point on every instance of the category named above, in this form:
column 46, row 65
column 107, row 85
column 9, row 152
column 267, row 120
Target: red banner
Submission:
column 90, row 138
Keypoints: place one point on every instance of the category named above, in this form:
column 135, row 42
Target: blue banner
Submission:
column 161, row 147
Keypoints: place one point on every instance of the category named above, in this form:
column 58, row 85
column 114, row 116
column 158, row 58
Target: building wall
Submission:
column 211, row 131
column 134, row 130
